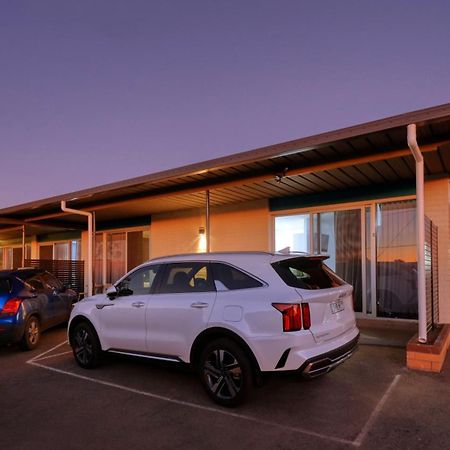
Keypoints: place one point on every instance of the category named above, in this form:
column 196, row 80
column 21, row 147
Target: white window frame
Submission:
column 361, row 205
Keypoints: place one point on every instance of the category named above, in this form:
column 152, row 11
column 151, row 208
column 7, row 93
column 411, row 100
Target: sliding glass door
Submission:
column 372, row 247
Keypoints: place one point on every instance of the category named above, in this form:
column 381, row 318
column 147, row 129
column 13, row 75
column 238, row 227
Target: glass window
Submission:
column 229, row 278
column 292, row 233
column 141, row 281
column 186, row 277
column 61, row 251
column 98, row 260
column 396, row 260
column 115, row 256
column 51, row 281
column 306, row 273
column 36, row 283
column 1, row 258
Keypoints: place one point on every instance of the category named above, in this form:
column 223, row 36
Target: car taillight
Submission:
column 292, row 315
column 11, row 307
column 306, row 316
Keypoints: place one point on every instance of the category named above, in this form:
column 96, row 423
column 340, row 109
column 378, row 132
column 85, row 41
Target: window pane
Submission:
column 98, row 260
column 396, row 260
column 141, row 281
column 1, row 259
column 229, row 278
column 340, row 239
column 186, row 277
column 8, row 254
column 75, row 250
column 62, row 251
column 292, row 233
column 115, row 257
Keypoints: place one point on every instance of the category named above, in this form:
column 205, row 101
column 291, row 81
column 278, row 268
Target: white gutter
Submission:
column 420, row 232
column 90, row 229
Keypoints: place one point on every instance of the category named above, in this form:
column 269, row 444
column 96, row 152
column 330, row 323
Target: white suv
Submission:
column 231, row 316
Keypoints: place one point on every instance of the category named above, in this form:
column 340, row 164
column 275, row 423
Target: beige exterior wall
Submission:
column 174, row 233
column 242, row 227
column 437, row 208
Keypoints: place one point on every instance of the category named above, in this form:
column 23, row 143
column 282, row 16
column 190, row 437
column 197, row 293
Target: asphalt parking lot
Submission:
column 372, row 401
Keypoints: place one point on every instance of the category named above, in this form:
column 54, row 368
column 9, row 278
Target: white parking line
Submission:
column 355, row 443
column 46, row 352
column 51, row 356
column 375, row 413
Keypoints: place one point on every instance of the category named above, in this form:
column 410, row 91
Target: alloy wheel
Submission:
column 83, row 347
column 33, row 332
column 223, row 374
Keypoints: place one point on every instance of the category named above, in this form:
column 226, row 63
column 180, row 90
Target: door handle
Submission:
column 102, row 305
column 199, row 305
column 138, row 304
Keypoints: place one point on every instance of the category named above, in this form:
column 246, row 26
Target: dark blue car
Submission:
column 31, row 300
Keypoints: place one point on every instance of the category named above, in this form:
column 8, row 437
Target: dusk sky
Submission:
column 95, row 91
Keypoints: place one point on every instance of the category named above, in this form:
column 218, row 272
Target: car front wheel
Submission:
column 86, row 346
column 226, row 372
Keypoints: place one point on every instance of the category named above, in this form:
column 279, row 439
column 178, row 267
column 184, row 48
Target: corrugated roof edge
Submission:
column 284, row 148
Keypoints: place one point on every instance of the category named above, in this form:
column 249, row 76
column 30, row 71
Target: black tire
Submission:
column 31, row 334
column 86, row 346
column 226, row 372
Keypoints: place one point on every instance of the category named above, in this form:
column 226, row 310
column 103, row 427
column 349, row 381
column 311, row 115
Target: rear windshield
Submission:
column 5, row 286
column 306, row 273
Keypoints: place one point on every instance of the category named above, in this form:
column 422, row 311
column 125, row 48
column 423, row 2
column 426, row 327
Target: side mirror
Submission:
column 112, row 293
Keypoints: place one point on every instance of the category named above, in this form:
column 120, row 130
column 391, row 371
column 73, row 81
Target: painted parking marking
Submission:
column 376, row 412
column 357, row 442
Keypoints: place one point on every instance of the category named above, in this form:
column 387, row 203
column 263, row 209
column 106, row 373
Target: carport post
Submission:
column 208, row 226
column 420, row 232
column 23, row 245
column 90, row 228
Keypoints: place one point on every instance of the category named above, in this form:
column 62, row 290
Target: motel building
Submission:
column 374, row 197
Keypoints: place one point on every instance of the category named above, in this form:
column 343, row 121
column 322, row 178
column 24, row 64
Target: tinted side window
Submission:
column 186, row 277
column 51, row 281
column 306, row 273
column 36, row 283
column 232, row 278
column 141, row 281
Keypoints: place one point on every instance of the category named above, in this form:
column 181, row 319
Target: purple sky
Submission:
column 97, row 91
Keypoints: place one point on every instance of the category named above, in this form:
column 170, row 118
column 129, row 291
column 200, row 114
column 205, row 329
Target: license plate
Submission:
column 337, row 306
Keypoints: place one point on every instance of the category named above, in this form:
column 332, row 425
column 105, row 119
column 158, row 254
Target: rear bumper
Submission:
column 326, row 362
column 10, row 332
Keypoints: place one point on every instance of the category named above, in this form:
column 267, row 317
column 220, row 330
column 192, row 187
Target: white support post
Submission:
column 420, row 232
column 208, row 224
column 90, row 230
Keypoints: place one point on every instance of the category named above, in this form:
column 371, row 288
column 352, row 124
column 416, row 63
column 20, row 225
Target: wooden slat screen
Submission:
column 71, row 273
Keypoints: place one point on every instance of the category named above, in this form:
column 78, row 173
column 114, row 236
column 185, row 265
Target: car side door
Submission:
column 42, row 301
column 61, row 303
column 122, row 319
column 180, row 308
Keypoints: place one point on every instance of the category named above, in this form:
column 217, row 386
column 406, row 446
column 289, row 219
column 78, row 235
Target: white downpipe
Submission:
column 420, row 232
column 90, row 229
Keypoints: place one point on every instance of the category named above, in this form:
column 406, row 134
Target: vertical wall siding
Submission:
column 437, row 208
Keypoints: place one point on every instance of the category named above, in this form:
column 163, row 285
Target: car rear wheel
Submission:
column 86, row 346
column 31, row 334
column 226, row 372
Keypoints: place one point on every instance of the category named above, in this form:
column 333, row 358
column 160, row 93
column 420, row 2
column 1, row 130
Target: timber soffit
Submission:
column 199, row 172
